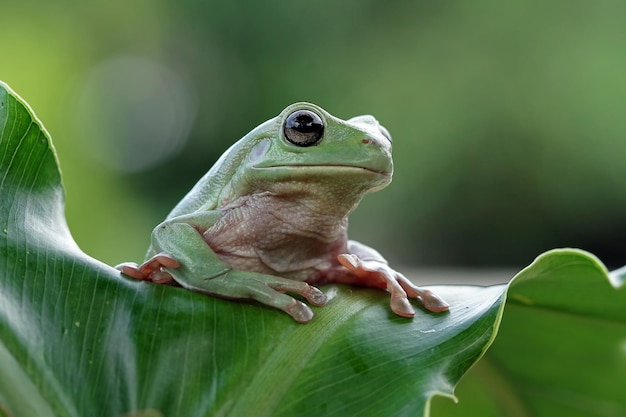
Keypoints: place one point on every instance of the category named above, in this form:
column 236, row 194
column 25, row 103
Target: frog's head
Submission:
column 304, row 154
column 307, row 151
column 305, row 139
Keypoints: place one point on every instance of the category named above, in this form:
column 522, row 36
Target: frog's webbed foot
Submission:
column 234, row 284
column 375, row 273
column 151, row 270
column 265, row 289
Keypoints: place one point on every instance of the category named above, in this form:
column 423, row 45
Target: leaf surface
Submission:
column 561, row 346
column 78, row 339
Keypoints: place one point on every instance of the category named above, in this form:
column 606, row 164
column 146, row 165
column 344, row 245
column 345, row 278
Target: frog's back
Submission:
column 205, row 194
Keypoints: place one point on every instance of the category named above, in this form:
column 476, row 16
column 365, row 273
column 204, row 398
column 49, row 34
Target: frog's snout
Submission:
column 372, row 125
column 367, row 119
column 382, row 140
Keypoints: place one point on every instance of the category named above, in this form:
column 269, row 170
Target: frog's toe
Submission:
column 401, row 306
column 315, row 296
column 296, row 309
column 131, row 269
column 350, row 261
column 312, row 294
column 433, row 302
column 299, row 311
column 158, row 261
column 161, row 277
column 429, row 299
column 134, row 271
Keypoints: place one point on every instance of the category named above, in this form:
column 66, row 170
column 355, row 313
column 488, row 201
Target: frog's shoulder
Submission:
column 206, row 193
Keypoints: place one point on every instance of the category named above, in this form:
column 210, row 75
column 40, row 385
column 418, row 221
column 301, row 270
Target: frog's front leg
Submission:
column 372, row 270
column 200, row 269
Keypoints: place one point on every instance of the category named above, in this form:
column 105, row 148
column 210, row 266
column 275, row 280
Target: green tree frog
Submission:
column 270, row 217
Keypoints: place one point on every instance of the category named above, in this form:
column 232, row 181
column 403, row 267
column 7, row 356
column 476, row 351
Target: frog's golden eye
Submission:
column 304, row 128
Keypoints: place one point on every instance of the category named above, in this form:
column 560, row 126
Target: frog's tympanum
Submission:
column 270, row 217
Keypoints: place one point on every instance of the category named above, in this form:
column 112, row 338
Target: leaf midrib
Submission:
column 263, row 396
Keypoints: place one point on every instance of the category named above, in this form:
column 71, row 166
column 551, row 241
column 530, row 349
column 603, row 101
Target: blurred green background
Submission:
column 508, row 118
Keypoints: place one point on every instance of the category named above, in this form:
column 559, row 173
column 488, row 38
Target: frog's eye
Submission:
column 304, row 128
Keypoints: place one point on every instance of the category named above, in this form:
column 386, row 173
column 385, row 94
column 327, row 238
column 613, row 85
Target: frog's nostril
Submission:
column 367, row 141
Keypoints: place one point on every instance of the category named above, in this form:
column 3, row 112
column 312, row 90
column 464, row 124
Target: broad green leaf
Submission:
column 77, row 339
column 561, row 347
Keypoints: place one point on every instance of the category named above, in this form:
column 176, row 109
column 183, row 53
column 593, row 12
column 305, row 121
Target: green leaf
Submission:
column 78, row 339
column 561, row 347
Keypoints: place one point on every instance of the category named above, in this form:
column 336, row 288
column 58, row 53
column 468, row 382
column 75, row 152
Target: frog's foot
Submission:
column 265, row 289
column 151, row 270
column 378, row 274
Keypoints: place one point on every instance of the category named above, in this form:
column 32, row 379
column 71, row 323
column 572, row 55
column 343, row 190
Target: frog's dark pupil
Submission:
column 304, row 128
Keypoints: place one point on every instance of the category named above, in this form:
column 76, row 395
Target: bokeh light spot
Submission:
column 133, row 113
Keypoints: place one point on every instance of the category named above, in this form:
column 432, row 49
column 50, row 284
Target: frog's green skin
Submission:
column 270, row 217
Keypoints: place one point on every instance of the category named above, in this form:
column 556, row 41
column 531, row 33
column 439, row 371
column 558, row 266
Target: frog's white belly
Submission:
column 264, row 233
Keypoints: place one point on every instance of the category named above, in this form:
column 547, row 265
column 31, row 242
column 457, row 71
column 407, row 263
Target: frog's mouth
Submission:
column 329, row 177
column 329, row 168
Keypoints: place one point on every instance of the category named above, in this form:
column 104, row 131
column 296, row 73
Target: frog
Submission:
column 268, row 222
